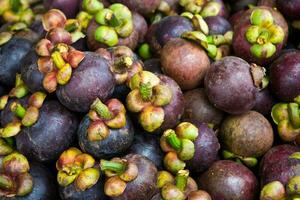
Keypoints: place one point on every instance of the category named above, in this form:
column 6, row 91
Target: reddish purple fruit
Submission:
column 69, row 7
column 290, row 8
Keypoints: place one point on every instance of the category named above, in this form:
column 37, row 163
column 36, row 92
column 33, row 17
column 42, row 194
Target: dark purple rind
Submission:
column 242, row 5
column 206, row 149
column 264, row 102
column 69, row 7
column 249, row 134
column 130, row 41
column 153, row 65
column 144, row 7
column 197, row 107
column 227, row 180
column 242, row 47
column 118, row 141
column 168, row 28
column 147, row 145
column 277, row 165
column 92, row 79
column 53, row 133
column 144, row 186
column 140, row 25
column 11, row 55
column 30, row 73
column 229, row 85
column 218, row 25
column 96, row 192
column 290, row 8
column 285, row 76
column 174, row 110
column 44, row 187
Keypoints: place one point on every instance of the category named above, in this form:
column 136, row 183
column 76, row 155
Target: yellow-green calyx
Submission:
column 180, row 142
column 217, row 46
column 248, row 161
column 119, row 173
column 263, row 34
column 15, row 179
column 205, row 8
column 112, row 114
column 114, row 22
column 273, row 190
column 287, row 118
column 148, row 96
column 76, row 167
column 123, row 62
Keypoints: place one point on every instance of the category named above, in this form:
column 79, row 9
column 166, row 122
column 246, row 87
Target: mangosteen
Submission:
column 53, row 131
column 193, row 146
column 197, row 107
column 113, row 26
column 131, row 177
column 218, row 25
column 279, row 164
column 206, row 8
column 140, row 25
column 228, row 180
column 264, row 102
column 285, row 76
column 242, row 5
column 230, row 86
column 147, row 145
column 185, row 62
column 157, row 101
column 69, row 7
column 179, row 187
column 107, row 131
column 143, row 7
column 260, row 35
column 246, row 136
column 289, row 8
column 153, row 65
column 168, row 28
column 79, row 176
column 33, row 180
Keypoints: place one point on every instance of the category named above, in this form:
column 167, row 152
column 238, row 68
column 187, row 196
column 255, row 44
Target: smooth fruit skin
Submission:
column 168, row 28
column 249, row 134
column 277, row 165
column 290, row 8
column 206, row 149
column 50, row 136
column 44, row 184
column 185, row 62
column 118, row 141
column 217, row 25
column 144, row 186
column 227, row 180
column 69, row 7
column 242, row 47
column 198, row 107
column 264, row 102
column 285, row 76
column 140, row 25
column 229, row 85
column 11, row 55
column 90, row 80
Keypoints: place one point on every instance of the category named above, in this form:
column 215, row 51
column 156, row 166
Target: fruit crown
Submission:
column 205, row 8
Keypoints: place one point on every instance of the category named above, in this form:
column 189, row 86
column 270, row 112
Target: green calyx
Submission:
column 5, row 147
column 205, row 8
column 101, row 109
column 273, row 190
column 92, row 6
column 115, row 21
column 117, row 167
column 293, row 186
column 144, row 51
column 263, row 34
column 287, row 118
column 248, row 161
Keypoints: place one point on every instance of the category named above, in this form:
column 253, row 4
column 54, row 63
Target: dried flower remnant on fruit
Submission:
column 123, row 62
column 114, row 22
column 287, row 118
column 179, row 146
column 216, row 46
column 76, row 167
column 119, row 173
column 15, row 180
column 263, row 34
column 103, row 117
column 148, row 96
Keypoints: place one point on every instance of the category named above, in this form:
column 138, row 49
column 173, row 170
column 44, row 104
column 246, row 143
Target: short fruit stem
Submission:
column 101, row 109
column 112, row 166
column 18, row 109
column 173, row 140
column 146, row 91
column 181, row 179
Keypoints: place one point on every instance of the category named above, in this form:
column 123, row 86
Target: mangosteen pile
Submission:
column 149, row 99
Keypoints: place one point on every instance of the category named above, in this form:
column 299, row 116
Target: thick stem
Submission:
column 18, row 109
column 58, row 59
column 181, row 179
column 101, row 109
column 146, row 91
column 15, row 5
column 173, row 140
column 117, row 167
